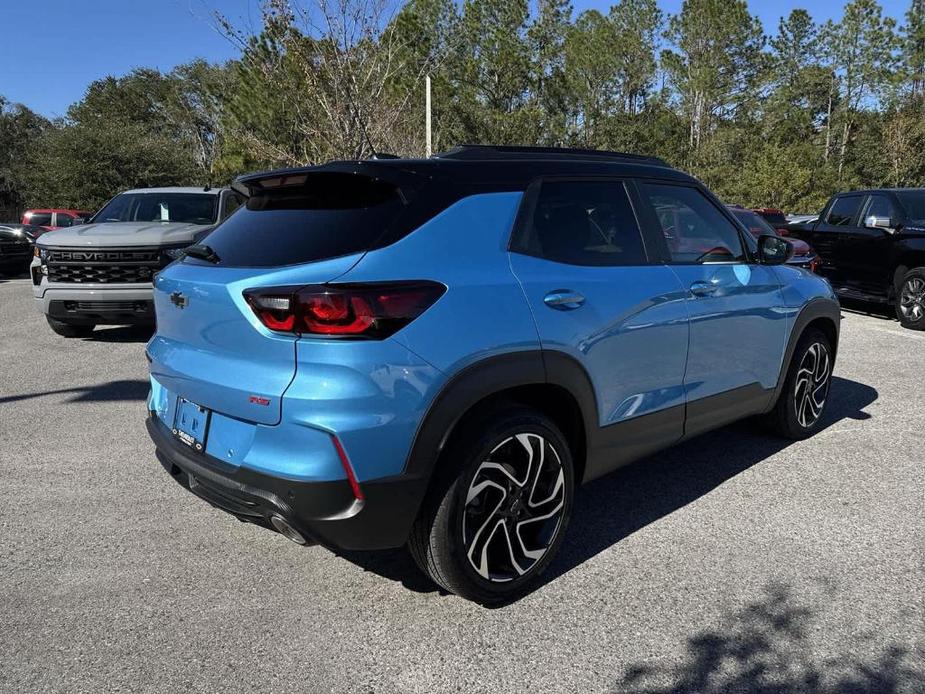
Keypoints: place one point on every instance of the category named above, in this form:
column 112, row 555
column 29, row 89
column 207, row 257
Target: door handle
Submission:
column 563, row 300
column 703, row 288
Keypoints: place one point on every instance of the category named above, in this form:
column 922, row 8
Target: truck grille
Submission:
column 14, row 249
column 110, row 266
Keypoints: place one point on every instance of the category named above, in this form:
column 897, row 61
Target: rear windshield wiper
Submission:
column 201, row 251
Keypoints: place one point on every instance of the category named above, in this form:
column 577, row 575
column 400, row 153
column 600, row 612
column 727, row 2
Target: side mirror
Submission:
column 773, row 250
column 884, row 223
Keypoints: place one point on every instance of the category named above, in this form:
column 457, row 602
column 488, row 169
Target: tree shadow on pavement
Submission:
column 763, row 647
column 617, row 505
column 113, row 391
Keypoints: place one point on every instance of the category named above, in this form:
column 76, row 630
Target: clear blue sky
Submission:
column 50, row 50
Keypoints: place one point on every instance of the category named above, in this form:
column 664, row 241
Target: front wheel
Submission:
column 500, row 507
column 910, row 300
column 69, row 329
column 801, row 405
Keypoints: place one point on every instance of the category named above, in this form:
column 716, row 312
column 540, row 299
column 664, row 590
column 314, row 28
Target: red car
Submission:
column 775, row 218
column 53, row 218
column 755, row 222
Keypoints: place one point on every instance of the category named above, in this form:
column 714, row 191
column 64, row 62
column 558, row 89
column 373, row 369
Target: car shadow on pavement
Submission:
column 622, row 502
column 765, row 646
column 113, row 391
column 868, row 308
column 121, row 333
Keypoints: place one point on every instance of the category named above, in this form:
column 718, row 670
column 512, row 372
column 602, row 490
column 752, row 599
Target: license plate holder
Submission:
column 191, row 424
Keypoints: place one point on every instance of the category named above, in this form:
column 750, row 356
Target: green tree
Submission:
column 717, row 61
column 19, row 128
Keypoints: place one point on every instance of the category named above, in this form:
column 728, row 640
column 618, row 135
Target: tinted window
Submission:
column 881, row 206
column 775, row 218
column 583, row 223
column 40, row 219
column 843, row 211
column 187, row 208
column 694, row 229
column 64, row 220
column 754, row 222
column 331, row 215
column 232, row 202
column 914, row 202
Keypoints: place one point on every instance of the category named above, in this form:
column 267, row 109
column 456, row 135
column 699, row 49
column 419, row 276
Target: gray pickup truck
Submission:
column 100, row 273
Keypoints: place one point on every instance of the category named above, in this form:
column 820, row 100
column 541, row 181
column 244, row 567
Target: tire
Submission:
column 910, row 300
column 492, row 490
column 69, row 329
column 800, row 408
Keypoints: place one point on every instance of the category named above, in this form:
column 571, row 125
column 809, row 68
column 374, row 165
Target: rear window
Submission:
column 331, row 215
column 775, row 218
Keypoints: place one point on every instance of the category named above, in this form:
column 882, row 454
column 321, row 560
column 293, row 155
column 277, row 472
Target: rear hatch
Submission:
column 210, row 347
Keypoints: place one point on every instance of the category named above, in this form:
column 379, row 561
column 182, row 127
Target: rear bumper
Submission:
column 325, row 512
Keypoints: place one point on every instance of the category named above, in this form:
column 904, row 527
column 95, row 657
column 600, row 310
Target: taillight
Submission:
column 372, row 310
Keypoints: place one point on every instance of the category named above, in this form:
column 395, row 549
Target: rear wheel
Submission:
column 910, row 300
column 799, row 409
column 69, row 329
column 498, row 515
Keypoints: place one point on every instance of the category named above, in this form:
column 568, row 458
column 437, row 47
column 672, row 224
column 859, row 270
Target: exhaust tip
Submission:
column 283, row 528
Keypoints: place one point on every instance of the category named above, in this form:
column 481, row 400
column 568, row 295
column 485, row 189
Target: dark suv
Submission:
column 872, row 247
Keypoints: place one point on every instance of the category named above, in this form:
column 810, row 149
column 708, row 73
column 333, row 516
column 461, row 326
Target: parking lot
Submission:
column 733, row 562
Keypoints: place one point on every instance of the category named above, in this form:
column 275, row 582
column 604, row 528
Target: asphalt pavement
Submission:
column 734, row 562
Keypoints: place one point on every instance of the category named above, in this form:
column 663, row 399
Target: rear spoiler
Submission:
column 404, row 179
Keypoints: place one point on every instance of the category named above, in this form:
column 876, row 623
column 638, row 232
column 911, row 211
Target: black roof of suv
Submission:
column 488, row 166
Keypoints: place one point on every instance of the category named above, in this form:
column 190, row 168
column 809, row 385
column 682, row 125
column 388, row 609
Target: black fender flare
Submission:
column 489, row 377
column 815, row 309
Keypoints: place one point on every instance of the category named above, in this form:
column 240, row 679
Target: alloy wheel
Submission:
column 514, row 507
column 812, row 384
column 912, row 299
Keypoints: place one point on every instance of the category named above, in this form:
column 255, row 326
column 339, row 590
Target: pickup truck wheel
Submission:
column 910, row 300
column 69, row 329
column 801, row 405
column 498, row 513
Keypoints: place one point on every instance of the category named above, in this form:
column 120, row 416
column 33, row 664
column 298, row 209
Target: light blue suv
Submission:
column 437, row 352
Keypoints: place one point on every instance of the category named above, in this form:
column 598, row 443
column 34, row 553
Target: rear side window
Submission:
column 40, row 219
column 694, row 229
column 843, row 211
column 582, row 223
column 331, row 215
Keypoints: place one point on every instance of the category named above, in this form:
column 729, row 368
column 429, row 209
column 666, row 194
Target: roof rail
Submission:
column 483, row 152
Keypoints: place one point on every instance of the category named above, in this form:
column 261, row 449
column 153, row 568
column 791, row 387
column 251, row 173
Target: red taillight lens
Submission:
column 358, row 310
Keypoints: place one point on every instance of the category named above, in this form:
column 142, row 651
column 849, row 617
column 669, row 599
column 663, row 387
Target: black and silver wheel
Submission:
column 910, row 300
column 69, row 329
column 799, row 409
column 494, row 524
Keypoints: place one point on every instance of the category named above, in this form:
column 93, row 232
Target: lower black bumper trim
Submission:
column 323, row 511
